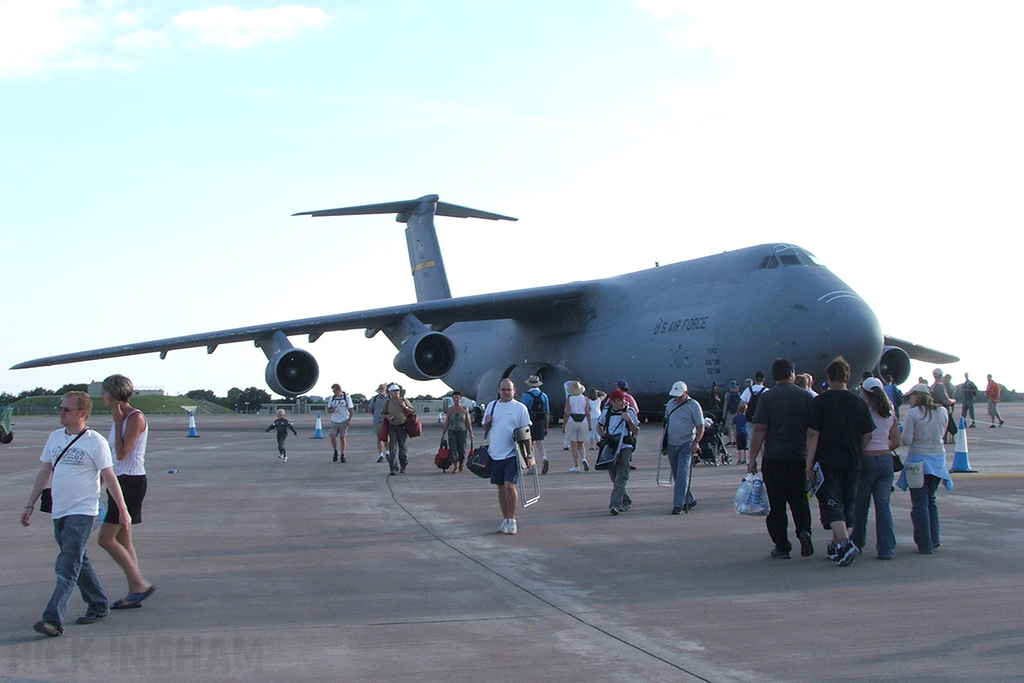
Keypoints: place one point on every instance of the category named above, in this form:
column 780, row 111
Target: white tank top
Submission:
column 880, row 437
column 135, row 462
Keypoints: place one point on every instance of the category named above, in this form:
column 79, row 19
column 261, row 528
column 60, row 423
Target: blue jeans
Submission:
column 875, row 482
column 924, row 514
column 681, row 455
column 73, row 568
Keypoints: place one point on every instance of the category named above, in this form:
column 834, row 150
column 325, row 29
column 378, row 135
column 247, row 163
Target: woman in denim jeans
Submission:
column 876, row 474
column 923, row 427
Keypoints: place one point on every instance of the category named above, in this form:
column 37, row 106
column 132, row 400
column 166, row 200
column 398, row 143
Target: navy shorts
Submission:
column 505, row 471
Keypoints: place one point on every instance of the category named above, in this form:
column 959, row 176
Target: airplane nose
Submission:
column 852, row 331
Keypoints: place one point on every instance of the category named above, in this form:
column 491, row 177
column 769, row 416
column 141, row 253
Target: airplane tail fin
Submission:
column 428, row 271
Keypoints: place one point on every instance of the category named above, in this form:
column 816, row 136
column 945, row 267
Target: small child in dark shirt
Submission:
column 282, row 425
column 739, row 420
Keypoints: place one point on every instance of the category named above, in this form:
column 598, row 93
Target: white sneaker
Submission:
column 574, row 469
column 503, row 529
column 510, row 527
column 586, row 465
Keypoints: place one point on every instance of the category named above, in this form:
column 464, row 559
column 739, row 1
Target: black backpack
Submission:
column 538, row 413
column 753, row 402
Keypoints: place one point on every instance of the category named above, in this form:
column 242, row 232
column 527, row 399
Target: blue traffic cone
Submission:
column 318, row 433
column 960, row 460
column 192, row 424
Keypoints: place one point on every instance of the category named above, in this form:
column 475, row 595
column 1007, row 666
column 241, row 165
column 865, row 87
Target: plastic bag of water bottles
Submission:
column 751, row 498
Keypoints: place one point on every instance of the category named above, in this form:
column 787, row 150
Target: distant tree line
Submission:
column 7, row 399
column 240, row 400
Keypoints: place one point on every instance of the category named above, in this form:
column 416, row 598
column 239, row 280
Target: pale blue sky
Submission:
column 151, row 154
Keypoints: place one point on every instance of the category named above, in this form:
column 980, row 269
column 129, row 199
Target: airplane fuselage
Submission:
column 712, row 319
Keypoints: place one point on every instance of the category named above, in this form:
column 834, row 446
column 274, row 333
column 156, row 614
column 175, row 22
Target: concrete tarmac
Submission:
column 312, row 570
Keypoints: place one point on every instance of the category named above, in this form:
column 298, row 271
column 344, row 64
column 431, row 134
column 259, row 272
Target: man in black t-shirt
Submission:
column 839, row 427
column 780, row 424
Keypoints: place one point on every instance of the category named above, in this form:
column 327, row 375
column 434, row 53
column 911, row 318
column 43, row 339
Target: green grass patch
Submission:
column 149, row 404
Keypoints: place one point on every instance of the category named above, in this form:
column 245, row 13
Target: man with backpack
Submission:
column 536, row 402
column 341, row 409
column 732, row 404
column 752, row 393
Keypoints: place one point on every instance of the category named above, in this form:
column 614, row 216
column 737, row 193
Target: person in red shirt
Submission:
column 994, row 392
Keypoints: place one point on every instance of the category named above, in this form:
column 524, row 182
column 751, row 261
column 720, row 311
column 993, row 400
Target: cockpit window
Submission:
column 788, row 256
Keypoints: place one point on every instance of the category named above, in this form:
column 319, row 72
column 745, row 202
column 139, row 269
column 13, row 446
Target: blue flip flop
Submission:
column 133, row 600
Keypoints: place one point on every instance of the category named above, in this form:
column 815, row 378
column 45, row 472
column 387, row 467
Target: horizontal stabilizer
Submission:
column 921, row 353
column 410, row 206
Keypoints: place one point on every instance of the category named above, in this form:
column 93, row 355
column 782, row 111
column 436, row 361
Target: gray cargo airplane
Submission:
column 707, row 320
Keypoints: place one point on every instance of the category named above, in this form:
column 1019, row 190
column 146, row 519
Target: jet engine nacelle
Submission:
column 895, row 362
column 292, row 372
column 429, row 355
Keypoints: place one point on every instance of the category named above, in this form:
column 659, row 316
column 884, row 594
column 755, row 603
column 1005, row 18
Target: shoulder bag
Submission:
column 46, row 498
column 413, row 426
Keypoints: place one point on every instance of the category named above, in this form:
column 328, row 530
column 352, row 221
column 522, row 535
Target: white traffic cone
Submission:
column 192, row 424
column 318, row 433
column 960, row 461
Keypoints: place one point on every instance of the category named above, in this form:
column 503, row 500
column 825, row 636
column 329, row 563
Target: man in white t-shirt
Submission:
column 754, row 389
column 83, row 460
column 503, row 418
column 340, row 408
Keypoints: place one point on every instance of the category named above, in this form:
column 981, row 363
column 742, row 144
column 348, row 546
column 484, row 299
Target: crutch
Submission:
column 661, row 458
column 522, row 438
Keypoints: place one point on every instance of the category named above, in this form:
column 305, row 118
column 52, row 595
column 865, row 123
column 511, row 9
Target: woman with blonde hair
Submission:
column 923, row 427
column 876, row 473
column 128, row 437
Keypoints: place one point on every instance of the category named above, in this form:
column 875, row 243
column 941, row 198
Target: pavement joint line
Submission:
column 524, row 589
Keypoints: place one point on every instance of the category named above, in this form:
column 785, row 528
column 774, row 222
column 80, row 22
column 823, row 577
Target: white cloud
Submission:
column 237, row 28
column 48, row 35
column 35, row 34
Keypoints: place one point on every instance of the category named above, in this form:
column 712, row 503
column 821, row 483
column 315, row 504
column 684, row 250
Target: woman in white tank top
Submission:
column 128, row 437
column 876, row 474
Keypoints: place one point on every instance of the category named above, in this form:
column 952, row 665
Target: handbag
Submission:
column 413, row 427
column 897, row 464
column 607, row 456
column 443, row 459
column 914, row 474
column 46, row 498
column 479, row 462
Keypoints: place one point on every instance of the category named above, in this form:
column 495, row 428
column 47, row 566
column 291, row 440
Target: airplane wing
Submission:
column 921, row 353
column 521, row 305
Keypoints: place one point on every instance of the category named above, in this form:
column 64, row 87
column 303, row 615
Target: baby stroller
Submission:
column 712, row 449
